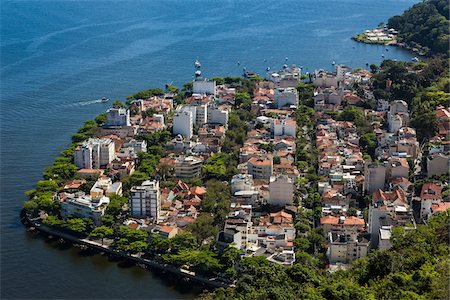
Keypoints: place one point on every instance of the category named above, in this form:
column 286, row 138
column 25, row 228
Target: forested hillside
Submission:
column 416, row 267
column 425, row 24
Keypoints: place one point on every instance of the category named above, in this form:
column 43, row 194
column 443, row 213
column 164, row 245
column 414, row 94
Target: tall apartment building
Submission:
column 217, row 116
column 281, row 190
column 188, row 167
column 94, row 154
column 199, row 112
column 183, row 124
column 145, row 200
column 374, row 177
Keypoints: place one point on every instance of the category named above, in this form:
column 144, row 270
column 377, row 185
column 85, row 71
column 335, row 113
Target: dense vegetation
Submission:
column 417, row 267
column 425, row 25
column 423, row 86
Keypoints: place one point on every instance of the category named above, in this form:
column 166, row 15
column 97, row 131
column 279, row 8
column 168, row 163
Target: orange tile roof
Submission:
column 349, row 221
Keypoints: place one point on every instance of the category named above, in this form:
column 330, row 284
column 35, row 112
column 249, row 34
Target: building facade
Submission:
column 183, row 124
column 281, row 191
column 94, row 154
column 188, row 167
column 145, row 200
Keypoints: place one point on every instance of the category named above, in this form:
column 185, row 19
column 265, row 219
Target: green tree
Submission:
column 107, row 220
column 118, row 104
column 101, row 232
column 77, row 225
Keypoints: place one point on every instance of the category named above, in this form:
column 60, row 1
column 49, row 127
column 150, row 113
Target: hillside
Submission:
column 417, row 267
column 425, row 25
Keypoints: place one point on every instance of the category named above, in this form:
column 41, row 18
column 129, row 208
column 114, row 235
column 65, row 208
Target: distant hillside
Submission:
column 425, row 24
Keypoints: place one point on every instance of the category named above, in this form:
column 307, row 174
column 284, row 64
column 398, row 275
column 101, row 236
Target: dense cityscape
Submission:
column 329, row 184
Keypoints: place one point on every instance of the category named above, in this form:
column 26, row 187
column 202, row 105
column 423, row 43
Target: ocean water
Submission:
column 58, row 57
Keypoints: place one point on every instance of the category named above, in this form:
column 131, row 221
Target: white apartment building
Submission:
column 217, row 116
column 188, row 167
column 281, row 190
column 145, row 200
column 183, row 124
column 84, row 206
column 94, row 154
column 282, row 127
column 199, row 112
column 374, row 177
column 118, row 117
column 286, row 97
column 138, row 146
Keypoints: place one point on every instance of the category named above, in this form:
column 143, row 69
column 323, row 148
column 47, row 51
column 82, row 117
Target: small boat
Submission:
column 333, row 63
column 238, row 63
column 104, row 100
column 286, row 59
column 265, row 60
column 268, row 69
column 197, row 64
column 415, row 59
column 382, row 55
column 387, row 49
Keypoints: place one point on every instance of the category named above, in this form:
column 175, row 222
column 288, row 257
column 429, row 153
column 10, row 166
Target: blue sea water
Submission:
column 58, row 57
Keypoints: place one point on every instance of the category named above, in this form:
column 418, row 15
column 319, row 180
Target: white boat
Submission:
column 415, row 59
column 104, row 100
column 197, row 64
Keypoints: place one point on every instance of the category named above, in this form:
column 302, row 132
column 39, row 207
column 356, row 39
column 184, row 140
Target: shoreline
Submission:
column 392, row 41
column 34, row 225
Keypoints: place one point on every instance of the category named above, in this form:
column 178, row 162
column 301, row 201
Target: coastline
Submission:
column 384, row 40
column 46, row 231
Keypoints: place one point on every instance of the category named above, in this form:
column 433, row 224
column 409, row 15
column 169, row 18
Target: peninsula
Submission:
column 284, row 185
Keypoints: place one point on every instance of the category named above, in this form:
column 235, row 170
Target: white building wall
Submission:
column 183, row 124
column 281, row 191
column 374, row 177
column 145, row 200
column 217, row 116
column 286, row 97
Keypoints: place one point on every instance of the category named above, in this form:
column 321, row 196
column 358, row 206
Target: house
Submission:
column 342, row 248
column 166, row 231
column 89, row 173
column 389, row 208
column 397, row 167
column 430, row 194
